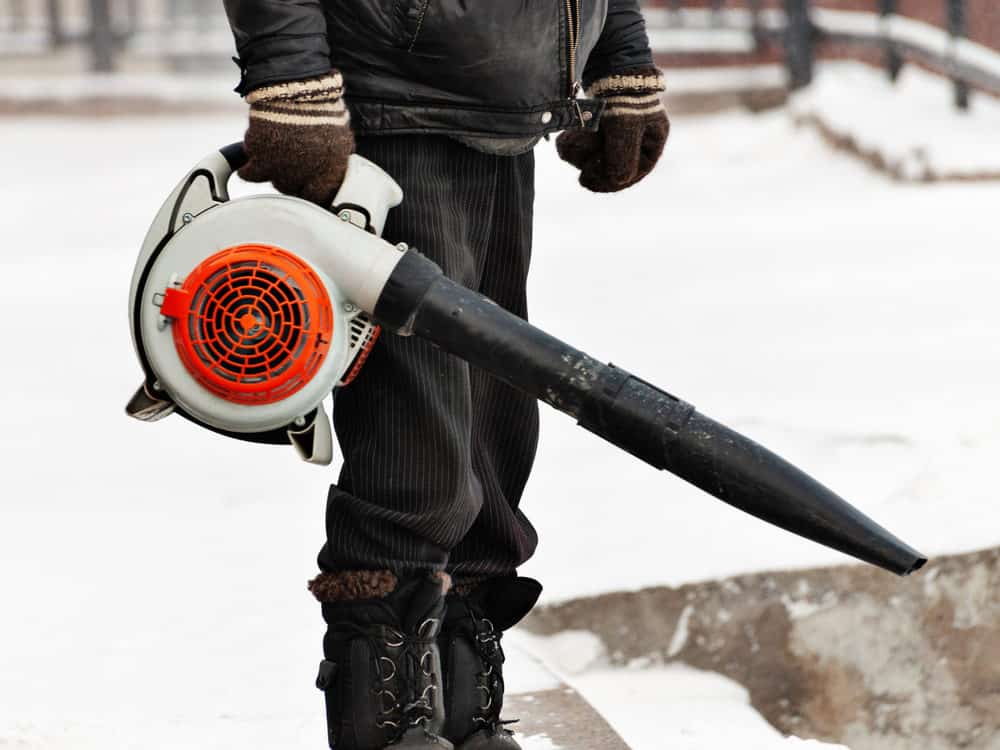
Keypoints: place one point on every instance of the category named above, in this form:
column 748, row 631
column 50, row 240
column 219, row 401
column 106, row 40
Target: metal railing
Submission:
column 802, row 31
column 946, row 50
column 183, row 32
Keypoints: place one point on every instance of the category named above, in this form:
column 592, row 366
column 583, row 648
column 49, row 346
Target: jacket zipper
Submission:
column 572, row 42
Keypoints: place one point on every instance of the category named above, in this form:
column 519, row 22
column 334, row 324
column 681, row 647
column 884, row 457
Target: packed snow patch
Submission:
column 681, row 708
column 537, row 742
column 653, row 707
column 568, row 652
column 657, row 706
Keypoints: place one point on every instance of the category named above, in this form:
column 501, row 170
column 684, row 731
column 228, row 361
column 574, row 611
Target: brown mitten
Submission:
column 631, row 136
column 299, row 137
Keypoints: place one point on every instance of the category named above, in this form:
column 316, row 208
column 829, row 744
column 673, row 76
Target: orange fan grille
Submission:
column 253, row 323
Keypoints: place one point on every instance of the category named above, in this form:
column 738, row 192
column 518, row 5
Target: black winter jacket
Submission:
column 488, row 68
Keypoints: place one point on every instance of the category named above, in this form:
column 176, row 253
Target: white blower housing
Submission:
column 234, row 311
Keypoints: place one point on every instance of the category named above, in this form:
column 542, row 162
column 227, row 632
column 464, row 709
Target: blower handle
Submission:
column 235, row 155
column 366, row 195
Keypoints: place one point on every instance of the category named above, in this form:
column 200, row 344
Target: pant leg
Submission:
column 407, row 492
column 422, row 457
column 504, row 420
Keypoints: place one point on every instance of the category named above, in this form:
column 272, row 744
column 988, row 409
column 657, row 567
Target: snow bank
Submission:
column 215, row 89
column 912, row 125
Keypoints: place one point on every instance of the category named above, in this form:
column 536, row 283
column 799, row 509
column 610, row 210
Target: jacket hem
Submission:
column 370, row 117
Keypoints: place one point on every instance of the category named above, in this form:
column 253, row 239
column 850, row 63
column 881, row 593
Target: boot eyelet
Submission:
column 489, row 698
column 391, row 705
column 428, row 659
column 392, row 664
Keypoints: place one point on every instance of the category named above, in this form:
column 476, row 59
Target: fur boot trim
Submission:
column 352, row 585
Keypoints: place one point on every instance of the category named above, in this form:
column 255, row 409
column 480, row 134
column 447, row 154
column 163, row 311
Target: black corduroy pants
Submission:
column 436, row 452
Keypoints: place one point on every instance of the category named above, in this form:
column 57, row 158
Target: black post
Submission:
column 759, row 39
column 101, row 37
column 893, row 61
column 957, row 29
column 800, row 49
column 56, row 35
column 716, row 8
column 18, row 15
column 132, row 9
column 674, row 12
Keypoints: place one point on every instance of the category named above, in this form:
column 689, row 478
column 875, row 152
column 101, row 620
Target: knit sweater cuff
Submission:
column 310, row 102
column 640, row 81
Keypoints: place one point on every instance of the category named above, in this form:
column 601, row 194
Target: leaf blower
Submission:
column 246, row 313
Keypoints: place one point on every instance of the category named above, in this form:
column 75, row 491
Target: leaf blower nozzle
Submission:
column 634, row 415
column 246, row 313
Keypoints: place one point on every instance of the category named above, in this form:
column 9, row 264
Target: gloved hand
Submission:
column 299, row 137
column 631, row 135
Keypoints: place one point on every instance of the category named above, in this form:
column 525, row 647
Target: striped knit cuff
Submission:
column 634, row 93
column 641, row 81
column 311, row 102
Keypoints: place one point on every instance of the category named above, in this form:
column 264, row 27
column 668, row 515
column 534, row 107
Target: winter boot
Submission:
column 472, row 660
column 382, row 671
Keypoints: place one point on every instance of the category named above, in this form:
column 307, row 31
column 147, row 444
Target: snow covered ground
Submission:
column 154, row 575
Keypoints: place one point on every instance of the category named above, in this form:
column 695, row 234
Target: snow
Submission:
column 215, row 89
column 698, row 710
column 911, row 123
column 725, row 78
column 701, row 40
column 680, row 636
column 713, row 19
column 671, row 706
column 154, row 575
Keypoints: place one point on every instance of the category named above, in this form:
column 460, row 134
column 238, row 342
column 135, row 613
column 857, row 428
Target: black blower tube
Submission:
column 638, row 417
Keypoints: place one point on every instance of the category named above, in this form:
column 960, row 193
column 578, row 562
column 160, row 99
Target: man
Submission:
column 449, row 97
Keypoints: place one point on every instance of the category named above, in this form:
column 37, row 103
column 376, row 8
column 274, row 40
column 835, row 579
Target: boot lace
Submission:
column 404, row 685
column 491, row 684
